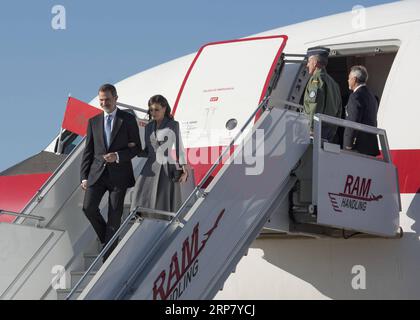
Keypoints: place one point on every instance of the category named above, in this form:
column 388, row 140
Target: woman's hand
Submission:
column 184, row 176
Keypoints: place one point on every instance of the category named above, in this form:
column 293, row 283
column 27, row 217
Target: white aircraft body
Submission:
column 280, row 264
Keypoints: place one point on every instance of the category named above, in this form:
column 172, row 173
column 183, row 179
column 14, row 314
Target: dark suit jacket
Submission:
column 124, row 131
column 362, row 107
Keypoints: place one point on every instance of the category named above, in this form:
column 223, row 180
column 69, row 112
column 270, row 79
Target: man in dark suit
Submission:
column 112, row 141
column 362, row 107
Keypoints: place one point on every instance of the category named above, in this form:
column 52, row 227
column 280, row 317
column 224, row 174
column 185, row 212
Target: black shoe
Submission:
column 109, row 251
column 106, row 255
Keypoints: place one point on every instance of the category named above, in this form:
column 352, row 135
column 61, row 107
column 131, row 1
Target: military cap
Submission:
column 322, row 51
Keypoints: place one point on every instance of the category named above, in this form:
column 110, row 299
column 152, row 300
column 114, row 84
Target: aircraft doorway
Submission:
column 377, row 59
column 378, row 66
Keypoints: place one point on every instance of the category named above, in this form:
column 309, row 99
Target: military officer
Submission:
column 322, row 93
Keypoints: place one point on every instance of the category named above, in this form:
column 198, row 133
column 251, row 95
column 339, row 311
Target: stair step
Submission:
column 77, row 275
column 63, row 293
column 89, row 258
column 302, row 217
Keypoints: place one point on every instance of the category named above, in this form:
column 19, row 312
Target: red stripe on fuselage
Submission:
column 406, row 161
column 16, row 191
column 408, row 164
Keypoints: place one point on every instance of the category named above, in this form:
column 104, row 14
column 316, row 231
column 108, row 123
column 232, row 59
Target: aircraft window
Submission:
column 231, row 124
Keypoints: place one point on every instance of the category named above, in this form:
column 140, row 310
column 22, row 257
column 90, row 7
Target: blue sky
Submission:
column 107, row 41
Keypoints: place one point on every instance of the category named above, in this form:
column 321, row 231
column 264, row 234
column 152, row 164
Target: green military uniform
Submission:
column 322, row 95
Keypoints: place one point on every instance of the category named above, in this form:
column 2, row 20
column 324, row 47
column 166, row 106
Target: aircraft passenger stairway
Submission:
column 50, row 237
column 278, row 178
column 190, row 256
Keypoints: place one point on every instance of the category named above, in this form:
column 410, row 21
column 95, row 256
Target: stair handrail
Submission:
column 319, row 119
column 128, row 106
column 17, row 214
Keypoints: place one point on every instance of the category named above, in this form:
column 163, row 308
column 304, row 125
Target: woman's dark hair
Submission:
column 161, row 100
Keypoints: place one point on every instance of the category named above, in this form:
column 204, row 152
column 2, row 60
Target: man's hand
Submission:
column 110, row 157
column 84, row 185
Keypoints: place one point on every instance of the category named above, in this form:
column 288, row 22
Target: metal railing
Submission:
column 297, row 107
column 105, row 249
column 49, row 183
column 124, row 105
column 321, row 118
column 143, row 213
column 28, row 216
